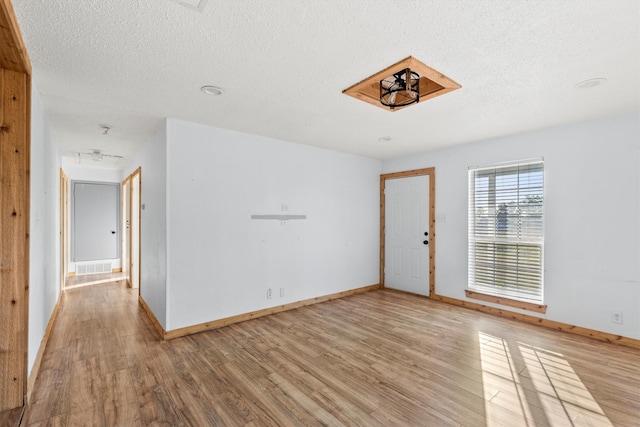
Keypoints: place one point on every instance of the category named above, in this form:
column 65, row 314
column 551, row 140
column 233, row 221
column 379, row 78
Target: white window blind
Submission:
column 506, row 230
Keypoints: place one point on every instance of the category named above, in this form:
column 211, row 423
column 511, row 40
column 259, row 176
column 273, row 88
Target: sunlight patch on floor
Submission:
column 528, row 386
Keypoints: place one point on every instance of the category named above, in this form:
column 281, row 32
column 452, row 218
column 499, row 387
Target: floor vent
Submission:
column 93, row 268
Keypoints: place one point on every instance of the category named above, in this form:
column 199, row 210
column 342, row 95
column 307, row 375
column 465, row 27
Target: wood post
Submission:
column 15, row 147
column 14, row 235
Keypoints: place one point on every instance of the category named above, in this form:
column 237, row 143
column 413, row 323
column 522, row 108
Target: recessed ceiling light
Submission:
column 212, row 90
column 591, row 83
column 384, row 139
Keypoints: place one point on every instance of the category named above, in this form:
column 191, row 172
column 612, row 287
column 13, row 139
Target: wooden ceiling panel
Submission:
column 432, row 83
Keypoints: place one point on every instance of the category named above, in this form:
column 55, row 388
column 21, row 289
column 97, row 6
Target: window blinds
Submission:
column 506, row 232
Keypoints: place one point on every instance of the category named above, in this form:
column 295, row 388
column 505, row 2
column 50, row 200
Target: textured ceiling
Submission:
column 284, row 63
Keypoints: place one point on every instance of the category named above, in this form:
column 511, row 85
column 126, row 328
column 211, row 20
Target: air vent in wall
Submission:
column 93, row 268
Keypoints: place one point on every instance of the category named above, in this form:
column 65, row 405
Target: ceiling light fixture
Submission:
column 96, row 155
column 404, row 83
column 400, row 89
column 105, row 129
column 587, row 84
column 212, row 90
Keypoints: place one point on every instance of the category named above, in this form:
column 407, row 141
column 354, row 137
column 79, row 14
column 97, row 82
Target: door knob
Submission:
column 426, row 242
column 426, row 233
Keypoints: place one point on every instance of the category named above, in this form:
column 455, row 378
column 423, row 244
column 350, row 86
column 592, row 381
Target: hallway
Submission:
column 378, row 358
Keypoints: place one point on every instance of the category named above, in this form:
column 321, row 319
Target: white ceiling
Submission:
column 284, row 63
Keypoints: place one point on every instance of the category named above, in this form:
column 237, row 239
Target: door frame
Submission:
column 431, row 172
column 64, row 228
column 128, row 181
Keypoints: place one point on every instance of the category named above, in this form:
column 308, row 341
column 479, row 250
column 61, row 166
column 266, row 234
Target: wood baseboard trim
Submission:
column 202, row 327
column 43, row 345
column 539, row 308
column 152, row 317
column 551, row 324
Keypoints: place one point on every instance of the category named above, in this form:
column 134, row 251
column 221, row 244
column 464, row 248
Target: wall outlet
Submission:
column 616, row 317
column 269, row 293
column 281, row 292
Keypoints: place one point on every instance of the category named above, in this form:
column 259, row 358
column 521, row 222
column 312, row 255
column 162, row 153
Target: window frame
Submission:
column 513, row 222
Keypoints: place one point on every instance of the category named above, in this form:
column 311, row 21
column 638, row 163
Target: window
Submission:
column 506, row 234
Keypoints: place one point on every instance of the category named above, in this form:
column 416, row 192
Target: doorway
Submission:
column 407, row 231
column 131, row 196
column 64, row 228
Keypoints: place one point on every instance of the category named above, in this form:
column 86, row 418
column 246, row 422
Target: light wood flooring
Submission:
column 93, row 279
column 375, row 359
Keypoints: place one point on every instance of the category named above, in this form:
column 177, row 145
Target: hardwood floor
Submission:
column 373, row 359
column 93, row 279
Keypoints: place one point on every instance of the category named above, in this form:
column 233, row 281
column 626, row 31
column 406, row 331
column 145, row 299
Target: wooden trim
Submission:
column 15, row 101
column 432, row 220
column 382, row 225
column 432, row 83
column 13, row 52
column 43, row 345
column 64, row 228
column 71, row 274
column 129, row 181
column 176, row 333
column 116, row 270
column 551, row 324
column 152, row 317
column 540, row 308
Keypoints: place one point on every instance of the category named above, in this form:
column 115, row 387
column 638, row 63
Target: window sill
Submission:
column 539, row 308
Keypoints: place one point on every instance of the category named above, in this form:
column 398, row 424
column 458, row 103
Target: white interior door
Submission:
column 407, row 234
column 95, row 228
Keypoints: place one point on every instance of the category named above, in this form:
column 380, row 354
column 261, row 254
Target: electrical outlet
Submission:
column 616, row 317
column 269, row 293
column 281, row 292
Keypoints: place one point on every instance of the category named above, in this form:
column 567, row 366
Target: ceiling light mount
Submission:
column 588, row 84
column 96, row 155
column 393, row 87
column 105, row 129
column 400, row 89
column 212, row 90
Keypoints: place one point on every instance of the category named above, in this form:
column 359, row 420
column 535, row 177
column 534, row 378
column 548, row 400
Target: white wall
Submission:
column 221, row 262
column 77, row 172
column 152, row 159
column 592, row 217
column 44, row 249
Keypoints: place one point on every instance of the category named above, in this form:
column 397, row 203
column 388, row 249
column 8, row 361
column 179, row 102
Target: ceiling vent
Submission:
column 403, row 84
